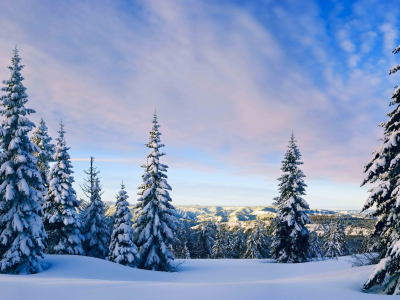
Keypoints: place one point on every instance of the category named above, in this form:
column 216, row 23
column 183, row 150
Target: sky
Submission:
column 230, row 81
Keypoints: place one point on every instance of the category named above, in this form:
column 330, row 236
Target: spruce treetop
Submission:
column 15, row 98
column 61, row 155
column 292, row 186
column 15, row 124
column 292, row 183
column 88, row 185
column 60, row 179
column 41, row 138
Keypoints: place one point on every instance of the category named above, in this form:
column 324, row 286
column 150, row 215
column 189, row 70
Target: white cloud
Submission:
column 348, row 46
column 390, row 35
column 216, row 75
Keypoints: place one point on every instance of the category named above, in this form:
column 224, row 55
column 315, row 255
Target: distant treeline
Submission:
column 367, row 223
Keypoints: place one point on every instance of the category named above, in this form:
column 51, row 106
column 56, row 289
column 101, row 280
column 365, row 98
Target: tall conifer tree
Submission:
column 384, row 170
column 156, row 219
column 291, row 238
column 62, row 221
column 22, row 233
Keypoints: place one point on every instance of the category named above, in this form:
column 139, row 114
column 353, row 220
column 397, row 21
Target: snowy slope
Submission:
column 76, row 277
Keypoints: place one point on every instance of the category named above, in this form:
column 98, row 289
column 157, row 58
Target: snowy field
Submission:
column 77, row 277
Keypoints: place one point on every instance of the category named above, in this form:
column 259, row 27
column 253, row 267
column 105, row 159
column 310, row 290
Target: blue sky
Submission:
column 230, row 80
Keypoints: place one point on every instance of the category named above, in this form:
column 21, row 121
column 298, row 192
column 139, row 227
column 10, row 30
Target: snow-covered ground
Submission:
column 77, row 277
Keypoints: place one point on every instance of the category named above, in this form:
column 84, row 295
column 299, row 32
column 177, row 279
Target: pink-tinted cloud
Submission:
column 227, row 87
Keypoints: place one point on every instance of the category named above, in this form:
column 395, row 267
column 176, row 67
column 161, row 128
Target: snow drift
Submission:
column 78, row 277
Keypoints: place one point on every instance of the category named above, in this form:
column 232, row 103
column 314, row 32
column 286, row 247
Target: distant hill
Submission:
column 197, row 213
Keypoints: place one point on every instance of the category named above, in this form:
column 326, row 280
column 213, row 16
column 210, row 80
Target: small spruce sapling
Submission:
column 122, row 249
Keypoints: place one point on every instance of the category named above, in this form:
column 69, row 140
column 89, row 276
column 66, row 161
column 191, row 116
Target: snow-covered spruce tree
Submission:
column 335, row 244
column 261, row 239
column 290, row 242
column 316, row 251
column 239, row 243
column 22, row 235
column 41, row 139
column 62, row 221
column 384, row 170
column 229, row 241
column 180, row 246
column 342, row 231
column 96, row 225
column 156, row 219
column 219, row 247
column 122, row 249
column 190, row 235
column 205, row 237
column 252, row 247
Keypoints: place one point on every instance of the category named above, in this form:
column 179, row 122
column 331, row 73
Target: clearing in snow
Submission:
column 79, row 277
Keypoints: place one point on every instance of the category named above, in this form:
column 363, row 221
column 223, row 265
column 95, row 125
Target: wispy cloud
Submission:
column 111, row 160
column 230, row 82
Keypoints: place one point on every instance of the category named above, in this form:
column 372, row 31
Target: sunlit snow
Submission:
column 79, row 277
